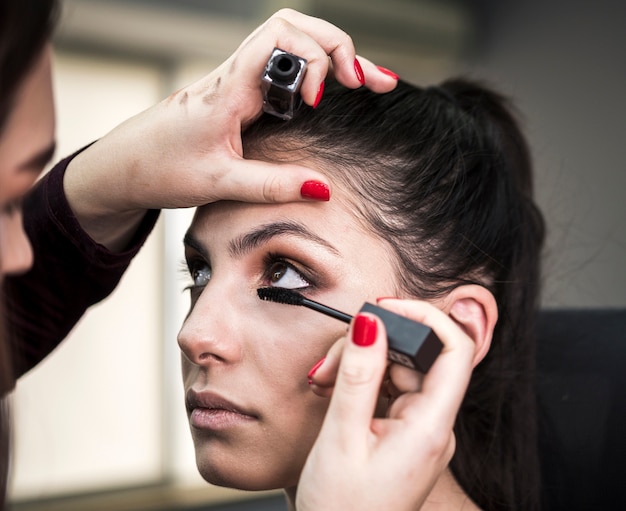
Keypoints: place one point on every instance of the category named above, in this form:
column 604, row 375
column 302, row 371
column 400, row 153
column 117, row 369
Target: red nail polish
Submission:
column 314, row 369
column 388, row 72
column 320, row 93
column 315, row 190
column 359, row 72
column 364, row 330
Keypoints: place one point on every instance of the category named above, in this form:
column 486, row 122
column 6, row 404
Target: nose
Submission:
column 16, row 253
column 211, row 334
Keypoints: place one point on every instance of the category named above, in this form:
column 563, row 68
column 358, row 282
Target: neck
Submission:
column 447, row 495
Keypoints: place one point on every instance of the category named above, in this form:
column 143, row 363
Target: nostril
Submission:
column 200, row 349
column 206, row 356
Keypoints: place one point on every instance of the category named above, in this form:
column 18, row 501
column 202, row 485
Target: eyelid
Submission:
column 192, row 255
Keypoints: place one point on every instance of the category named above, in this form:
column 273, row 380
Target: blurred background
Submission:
column 101, row 423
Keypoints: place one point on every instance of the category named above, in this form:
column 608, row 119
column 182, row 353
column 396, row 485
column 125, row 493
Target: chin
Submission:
column 239, row 480
column 249, row 474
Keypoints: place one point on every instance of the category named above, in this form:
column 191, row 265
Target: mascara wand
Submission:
column 290, row 297
column 411, row 344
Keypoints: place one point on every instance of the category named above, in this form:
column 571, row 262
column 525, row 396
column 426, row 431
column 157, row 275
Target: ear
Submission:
column 474, row 309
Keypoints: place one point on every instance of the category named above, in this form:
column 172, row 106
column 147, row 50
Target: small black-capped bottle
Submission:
column 281, row 83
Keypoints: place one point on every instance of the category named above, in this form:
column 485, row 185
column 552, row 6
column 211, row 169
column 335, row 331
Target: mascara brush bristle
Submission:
column 280, row 295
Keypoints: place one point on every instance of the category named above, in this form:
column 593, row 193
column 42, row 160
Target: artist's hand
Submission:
column 187, row 150
column 366, row 463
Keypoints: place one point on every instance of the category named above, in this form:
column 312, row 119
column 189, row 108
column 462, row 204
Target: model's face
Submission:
column 245, row 361
column 26, row 146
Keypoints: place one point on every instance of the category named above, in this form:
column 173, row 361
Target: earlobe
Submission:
column 474, row 309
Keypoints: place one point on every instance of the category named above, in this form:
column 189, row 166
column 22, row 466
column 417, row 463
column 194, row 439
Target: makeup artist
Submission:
column 89, row 216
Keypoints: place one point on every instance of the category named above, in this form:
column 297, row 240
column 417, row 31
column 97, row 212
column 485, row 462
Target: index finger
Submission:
column 361, row 370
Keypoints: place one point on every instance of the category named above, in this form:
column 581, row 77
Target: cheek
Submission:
column 282, row 360
column 301, row 410
column 300, row 345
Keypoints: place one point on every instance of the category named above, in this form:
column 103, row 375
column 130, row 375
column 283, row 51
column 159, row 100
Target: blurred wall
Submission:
column 563, row 61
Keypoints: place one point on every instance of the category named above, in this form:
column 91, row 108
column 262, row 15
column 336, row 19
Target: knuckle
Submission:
column 356, row 376
column 277, row 23
column 272, row 189
column 343, row 46
column 347, row 40
column 285, row 12
column 440, row 445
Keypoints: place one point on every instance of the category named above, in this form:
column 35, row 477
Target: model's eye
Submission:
column 200, row 273
column 282, row 274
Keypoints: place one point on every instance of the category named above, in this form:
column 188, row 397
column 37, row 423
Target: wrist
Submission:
column 96, row 195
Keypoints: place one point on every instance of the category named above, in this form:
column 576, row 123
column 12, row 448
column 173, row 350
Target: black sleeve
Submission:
column 70, row 273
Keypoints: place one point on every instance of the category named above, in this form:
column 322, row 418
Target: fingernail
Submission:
column 320, row 93
column 315, row 190
column 314, row 369
column 364, row 330
column 359, row 72
column 388, row 72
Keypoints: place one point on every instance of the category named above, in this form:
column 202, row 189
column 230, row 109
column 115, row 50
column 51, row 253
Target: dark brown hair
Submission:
column 444, row 175
column 25, row 27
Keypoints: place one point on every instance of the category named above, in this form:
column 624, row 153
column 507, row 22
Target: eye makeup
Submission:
column 274, row 270
column 281, row 272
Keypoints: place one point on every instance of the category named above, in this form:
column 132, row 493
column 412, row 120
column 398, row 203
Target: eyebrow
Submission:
column 39, row 160
column 245, row 243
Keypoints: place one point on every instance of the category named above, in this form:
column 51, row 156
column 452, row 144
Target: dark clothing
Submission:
column 70, row 273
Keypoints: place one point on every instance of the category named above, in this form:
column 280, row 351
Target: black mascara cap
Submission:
column 411, row 344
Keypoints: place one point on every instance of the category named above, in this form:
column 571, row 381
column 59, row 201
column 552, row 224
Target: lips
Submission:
column 211, row 411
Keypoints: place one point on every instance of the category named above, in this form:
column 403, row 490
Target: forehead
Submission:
column 325, row 221
column 333, row 227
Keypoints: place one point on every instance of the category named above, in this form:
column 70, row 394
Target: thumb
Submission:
column 361, row 370
column 260, row 182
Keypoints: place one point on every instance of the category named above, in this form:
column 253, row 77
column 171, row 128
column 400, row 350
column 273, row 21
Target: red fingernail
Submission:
column 315, row 190
column 314, row 369
column 381, row 298
column 359, row 72
column 388, row 72
column 364, row 330
column 320, row 93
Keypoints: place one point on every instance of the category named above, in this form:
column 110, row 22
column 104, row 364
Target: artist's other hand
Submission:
column 368, row 463
column 186, row 151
